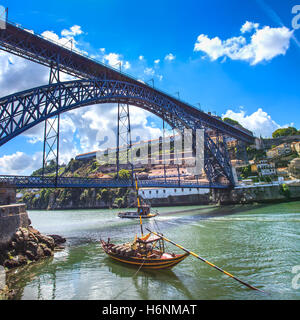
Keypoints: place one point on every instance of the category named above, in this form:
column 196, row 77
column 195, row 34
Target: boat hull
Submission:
column 146, row 263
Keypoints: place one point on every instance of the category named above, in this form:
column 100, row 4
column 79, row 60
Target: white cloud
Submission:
column 20, row 163
column 248, row 26
column 115, row 59
column 141, row 57
column 265, row 44
column 74, row 31
column 157, row 61
column 149, row 71
column 126, row 65
column 169, row 57
column 260, row 122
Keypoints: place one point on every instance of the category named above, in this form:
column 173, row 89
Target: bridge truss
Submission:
column 98, row 84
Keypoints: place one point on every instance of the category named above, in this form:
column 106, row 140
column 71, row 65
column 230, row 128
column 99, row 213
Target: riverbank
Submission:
column 239, row 195
column 27, row 245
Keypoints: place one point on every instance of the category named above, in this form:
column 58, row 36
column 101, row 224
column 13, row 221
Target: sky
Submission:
column 238, row 59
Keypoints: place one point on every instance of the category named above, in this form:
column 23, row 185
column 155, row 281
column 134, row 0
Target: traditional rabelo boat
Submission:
column 143, row 209
column 147, row 252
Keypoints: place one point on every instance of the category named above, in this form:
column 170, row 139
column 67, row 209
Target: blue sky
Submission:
column 205, row 50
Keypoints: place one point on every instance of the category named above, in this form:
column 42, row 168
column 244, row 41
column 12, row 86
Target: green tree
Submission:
column 124, row 174
column 246, row 172
column 283, row 132
column 284, row 190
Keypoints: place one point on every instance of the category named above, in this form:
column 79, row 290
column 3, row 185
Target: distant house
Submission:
column 296, row 147
column 281, row 150
column 294, row 168
column 264, row 168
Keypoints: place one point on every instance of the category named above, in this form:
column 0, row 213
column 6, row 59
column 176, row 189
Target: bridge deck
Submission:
column 73, row 182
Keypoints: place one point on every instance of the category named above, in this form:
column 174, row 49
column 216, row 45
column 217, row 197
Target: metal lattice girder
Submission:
column 33, row 47
column 51, row 133
column 26, row 109
column 51, row 142
column 124, row 135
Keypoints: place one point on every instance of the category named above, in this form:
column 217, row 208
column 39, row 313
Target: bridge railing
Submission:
column 76, row 182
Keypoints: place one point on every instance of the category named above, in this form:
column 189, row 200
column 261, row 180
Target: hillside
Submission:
column 77, row 197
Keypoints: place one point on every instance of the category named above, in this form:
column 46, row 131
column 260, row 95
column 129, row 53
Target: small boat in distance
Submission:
column 143, row 209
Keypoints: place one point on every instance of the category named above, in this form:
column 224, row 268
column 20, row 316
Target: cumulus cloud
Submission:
column 73, row 31
column 96, row 122
column 264, row 44
column 115, row 59
column 20, row 163
column 170, row 57
column 260, row 122
column 149, row 71
column 248, row 26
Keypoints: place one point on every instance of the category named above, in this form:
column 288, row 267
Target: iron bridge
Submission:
column 97, row 83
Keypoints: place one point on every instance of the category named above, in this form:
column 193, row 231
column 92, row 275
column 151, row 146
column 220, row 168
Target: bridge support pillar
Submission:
column 124, row 136
column 51, row 132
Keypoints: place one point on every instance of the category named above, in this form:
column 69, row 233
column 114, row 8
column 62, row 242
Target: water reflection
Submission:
column 142, row 280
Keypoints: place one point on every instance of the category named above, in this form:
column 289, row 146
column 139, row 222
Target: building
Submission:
column 296, row 147
column 294, row 168
column 152, row 193
column 283, row 172
column 264, row 168
column 281, row 150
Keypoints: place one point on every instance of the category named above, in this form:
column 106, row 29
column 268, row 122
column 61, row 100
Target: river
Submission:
column 258, row 243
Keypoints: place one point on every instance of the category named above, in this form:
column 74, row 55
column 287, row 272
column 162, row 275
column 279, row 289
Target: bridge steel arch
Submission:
column 24, row 110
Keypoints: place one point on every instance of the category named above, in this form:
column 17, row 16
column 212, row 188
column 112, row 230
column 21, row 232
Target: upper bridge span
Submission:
column 98, row 83
column 28, row 45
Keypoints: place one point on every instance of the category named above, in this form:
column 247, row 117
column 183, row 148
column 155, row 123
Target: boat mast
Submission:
column 138, row 206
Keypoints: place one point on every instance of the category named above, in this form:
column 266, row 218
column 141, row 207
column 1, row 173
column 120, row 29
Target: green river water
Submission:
column 258, row 243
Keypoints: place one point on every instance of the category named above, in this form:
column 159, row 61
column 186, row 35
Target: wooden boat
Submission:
column 143, row 211
column 143, row 253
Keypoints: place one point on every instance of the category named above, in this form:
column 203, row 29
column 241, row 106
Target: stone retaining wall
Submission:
column 12, row 217
column 259, row 194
